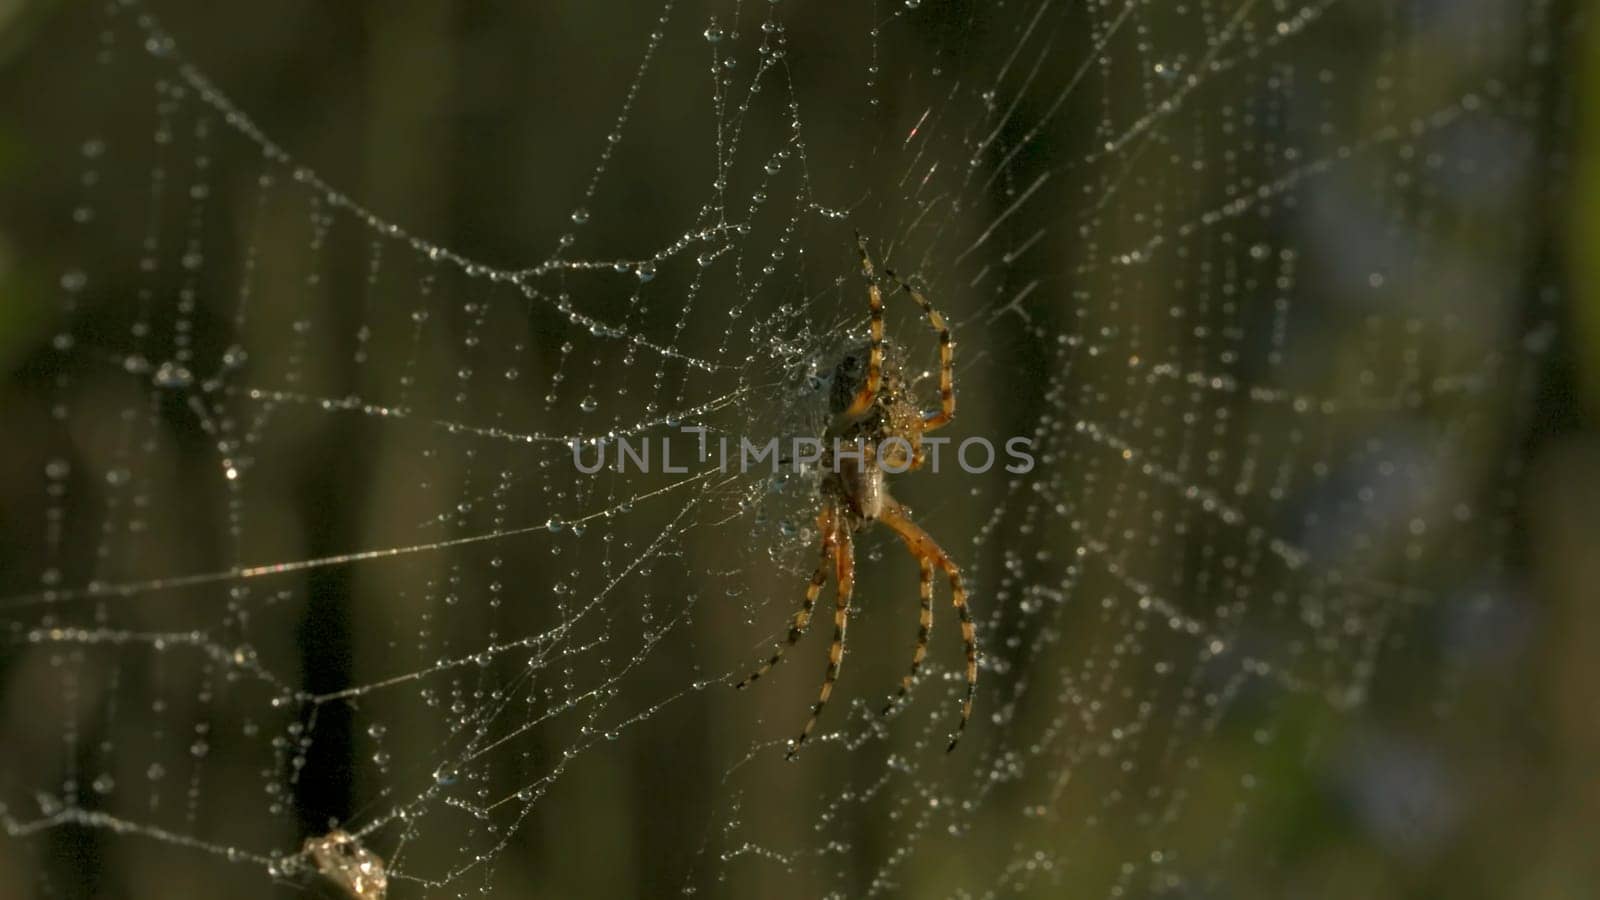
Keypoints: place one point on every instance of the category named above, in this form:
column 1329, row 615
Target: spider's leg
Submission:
column 846, row 575
column 947, row 378
column 802, row 618
column 924, row 628
column 924, row 547
column 869, row 388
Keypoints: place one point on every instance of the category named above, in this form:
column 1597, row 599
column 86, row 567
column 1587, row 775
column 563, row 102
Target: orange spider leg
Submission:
column 869, row 388
column 947, row 391
column 924, row 629
column 845, row 574
column 924, row 547
column 827, row 525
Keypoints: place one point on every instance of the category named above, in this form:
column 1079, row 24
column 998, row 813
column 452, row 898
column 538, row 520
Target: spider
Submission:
column 873, row 408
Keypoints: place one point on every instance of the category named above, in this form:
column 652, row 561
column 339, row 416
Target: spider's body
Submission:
column 858, row 484
column 876, row 429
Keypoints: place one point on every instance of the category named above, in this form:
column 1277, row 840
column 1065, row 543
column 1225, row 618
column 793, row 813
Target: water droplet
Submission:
column 589, row 404
column 171, row 375
column 580, row 215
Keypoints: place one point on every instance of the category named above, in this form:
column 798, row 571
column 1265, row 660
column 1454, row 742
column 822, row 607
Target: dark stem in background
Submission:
column 323, row 788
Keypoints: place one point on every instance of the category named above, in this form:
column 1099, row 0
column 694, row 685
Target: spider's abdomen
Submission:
column 848, row 377
column 851, row 373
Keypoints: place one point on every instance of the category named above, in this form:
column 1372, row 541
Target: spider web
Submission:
column 294, row 540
